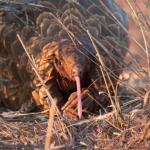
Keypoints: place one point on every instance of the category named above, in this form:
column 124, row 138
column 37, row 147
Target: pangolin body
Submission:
column 63, row 47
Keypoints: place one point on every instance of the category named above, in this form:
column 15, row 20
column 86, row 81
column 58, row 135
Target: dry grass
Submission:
column 101, row 132
column 28, row 131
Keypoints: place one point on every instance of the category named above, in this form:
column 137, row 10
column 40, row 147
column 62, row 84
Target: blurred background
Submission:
column 142, row 10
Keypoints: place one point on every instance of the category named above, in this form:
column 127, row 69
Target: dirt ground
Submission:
column 101, row 132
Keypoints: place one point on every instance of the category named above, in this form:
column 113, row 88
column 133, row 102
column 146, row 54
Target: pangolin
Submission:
column 66, row 44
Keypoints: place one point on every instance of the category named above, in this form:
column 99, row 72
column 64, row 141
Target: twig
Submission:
column 15, row 115
column 147, row 126
column 97, row 118
column 50, row 127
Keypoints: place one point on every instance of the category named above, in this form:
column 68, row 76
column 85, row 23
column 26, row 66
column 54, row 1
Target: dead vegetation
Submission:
column 126, row 127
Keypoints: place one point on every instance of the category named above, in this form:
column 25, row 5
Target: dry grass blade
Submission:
column 53, row 102
column 102, row 68
column 146, row 99
column 50, row 127
column 142, row 31
column 94, row 119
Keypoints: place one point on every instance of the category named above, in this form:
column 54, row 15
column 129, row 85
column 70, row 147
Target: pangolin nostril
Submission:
column 76, row 71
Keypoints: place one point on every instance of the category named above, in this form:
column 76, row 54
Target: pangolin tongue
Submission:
column 77, row 78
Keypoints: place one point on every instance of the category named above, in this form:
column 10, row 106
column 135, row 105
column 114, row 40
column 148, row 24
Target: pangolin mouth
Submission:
column 79, row 103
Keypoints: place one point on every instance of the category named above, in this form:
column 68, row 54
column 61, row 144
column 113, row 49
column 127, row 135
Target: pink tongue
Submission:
column 77, row 78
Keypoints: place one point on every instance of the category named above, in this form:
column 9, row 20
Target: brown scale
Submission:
column 61, row 56
column 16, row 89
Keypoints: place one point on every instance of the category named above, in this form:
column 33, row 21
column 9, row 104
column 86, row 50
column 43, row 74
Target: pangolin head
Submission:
column 72, row 61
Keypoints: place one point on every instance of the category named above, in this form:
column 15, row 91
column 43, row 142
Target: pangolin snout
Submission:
column 77, row 71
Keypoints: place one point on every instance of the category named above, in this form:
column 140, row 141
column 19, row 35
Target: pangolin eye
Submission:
column 60, row 63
